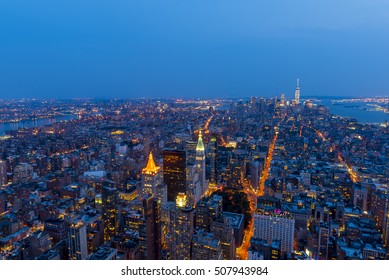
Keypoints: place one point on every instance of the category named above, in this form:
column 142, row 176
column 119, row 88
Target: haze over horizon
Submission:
column 194, row 49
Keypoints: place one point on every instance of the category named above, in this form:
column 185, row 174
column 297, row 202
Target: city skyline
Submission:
column 260, row 179
column 194, row 130
column 193, row 49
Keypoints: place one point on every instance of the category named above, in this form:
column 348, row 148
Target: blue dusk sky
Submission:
column 193, row 48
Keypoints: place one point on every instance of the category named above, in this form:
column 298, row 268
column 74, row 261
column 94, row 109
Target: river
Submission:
column 360, row 111
column 33, row 123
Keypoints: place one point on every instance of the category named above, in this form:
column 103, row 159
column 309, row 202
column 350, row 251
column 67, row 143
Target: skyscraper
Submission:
column 110, row 197
column 385, row 230
column 190, row 148
column 275, row 225
column 182, row 227
column 152, row 181
column 208, row 209
column 212, row 160
column 174, row 172
column 297, row 93
column 78, row 245
column 149, row 229
column 193, row 185
column 200, row 164
column 3, row 173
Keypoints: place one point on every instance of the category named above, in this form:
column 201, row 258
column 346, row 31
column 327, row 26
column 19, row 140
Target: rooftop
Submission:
column 151, row 167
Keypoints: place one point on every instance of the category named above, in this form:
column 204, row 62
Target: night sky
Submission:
column 193, row 48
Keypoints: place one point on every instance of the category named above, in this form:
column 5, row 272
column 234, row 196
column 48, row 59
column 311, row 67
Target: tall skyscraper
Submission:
column 193, row 185
column 174, row 172
column 190, row 147
column 385, row 227
column 200, row 164
column 78, row 245
column 149, row 229
column 275, row 225
column 212, row 160
column 3, row 173
column 110, row 197
column 182, row 228
column 378, row 203
column 297, row 93
column 152, row 181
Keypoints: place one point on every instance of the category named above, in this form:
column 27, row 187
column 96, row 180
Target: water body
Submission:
column 33, row 123
column 360, row 111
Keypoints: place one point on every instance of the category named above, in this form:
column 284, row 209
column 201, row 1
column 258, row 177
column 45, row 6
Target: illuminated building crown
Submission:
column 181, row 200
column 151, row 167
column 200, row 144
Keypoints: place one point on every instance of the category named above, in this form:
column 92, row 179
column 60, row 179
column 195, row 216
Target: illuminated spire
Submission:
column 297, row 92
column 200, row 144
column 151, row 167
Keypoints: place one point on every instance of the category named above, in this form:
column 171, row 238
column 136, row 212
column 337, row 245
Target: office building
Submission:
column 193, row 185
column 276, row 225
column 150, row 229
column 224, row 232
column 318, row 241
column 360, row 197
column 208, row 209
column 236, row 221
column 174, row 172
column 182, row 227
column 78, row 246
column 3, row 174
column 200, row 165
column 212, row 160
column 56, row 229
column 152, row 182
column 110, row 211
